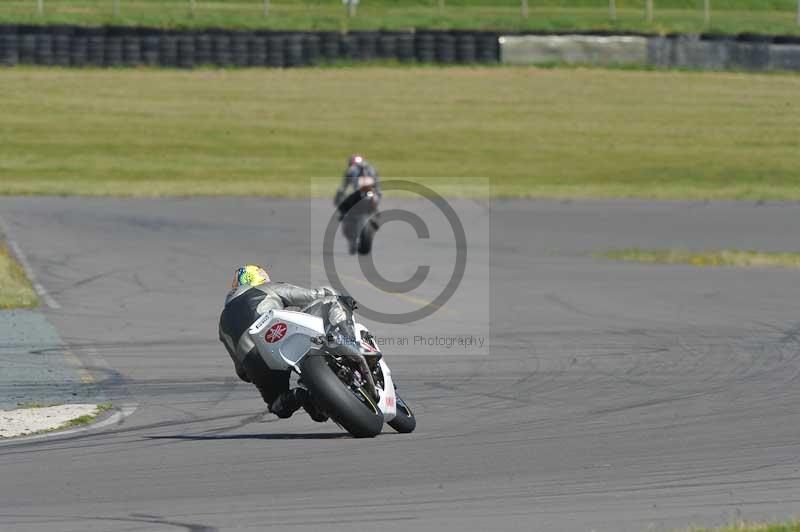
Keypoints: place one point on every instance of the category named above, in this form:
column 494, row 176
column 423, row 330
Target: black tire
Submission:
column 361, row 419
column 365, row 240
column 404, row 422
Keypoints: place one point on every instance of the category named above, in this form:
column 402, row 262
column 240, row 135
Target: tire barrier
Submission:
column 168, row 50
column 97, row 47
column 186, row 51
column 240, row 49
column 113, row 51
column 293, row 46
column 330, row 47
column 131, row 50
column 387, row 46
column 151, row 49
column 116, row 46
column 9, row 50
column 348, row 47
column 445, row 48
column 62, row 43
column 425, row 48
column 44, row 50
column 405, row 48
column 79, row 50
column 27, row 49
column 221, row 51
column 275, row 51
column 311, row 50
column 203, row 49
column 367, row 46
column 258, row 51
column 466, row 48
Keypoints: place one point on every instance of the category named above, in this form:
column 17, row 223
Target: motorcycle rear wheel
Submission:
column 358, row 416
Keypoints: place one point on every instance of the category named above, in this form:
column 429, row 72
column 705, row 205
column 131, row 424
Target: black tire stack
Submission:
column 9, row 45
column 186, row 51
column 258, row 50
column 329, row 46
column 221, row 46
column 466, row 48
column 116, row 46
column 311, row 49
column 62, row 45
column 294, row 50
column 203, row 49
column 168, row 50
column 27, row 46
column 113, row 48
column 387, row 46
column 425, row 48
column 405, row 47
column 44, row 49
column 240, row 42
column 276, row 56
column 96, row 40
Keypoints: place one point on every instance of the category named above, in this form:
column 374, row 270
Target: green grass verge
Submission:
column 534, row 132
column 737, row 258
column 85, row 420
column 15, row 289
column 729, row 16
column 791, row 526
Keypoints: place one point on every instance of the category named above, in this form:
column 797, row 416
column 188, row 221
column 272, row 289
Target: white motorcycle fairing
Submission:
column 284, row 337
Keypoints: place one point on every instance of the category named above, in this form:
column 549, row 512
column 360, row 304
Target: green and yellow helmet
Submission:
column 250, row 275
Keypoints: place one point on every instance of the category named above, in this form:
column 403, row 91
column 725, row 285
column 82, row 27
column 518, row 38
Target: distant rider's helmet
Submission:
column 250, row 275
column 355, row 160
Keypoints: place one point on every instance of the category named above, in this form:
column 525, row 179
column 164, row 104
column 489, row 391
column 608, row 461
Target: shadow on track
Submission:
column 281, row 436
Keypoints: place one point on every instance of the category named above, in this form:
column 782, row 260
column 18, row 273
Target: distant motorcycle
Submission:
column 355, row 391
column 359, row 212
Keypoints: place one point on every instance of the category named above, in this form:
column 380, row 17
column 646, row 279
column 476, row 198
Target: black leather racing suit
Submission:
column 350, row 180
column 244, row 306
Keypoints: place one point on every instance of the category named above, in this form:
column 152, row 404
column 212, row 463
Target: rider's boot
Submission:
column 288, row 403
column 315, row 413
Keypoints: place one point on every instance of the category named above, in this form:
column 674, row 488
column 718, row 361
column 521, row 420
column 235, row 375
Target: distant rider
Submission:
column 254, row 294
column 357, row 167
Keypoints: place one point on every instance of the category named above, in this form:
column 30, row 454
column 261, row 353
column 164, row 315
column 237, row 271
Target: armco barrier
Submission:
column 705, row 52
column 116, row 46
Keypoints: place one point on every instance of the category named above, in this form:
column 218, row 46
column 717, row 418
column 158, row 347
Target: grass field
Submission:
column 738, row 258
column 533, row 132
column 15, row 290
column 729, row 16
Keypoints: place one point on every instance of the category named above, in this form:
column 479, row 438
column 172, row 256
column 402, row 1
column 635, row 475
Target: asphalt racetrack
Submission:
column 611, row 397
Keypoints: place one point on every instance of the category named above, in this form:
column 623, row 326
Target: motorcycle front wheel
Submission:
column 365, row 240
column 404, row 421
column 354, row 410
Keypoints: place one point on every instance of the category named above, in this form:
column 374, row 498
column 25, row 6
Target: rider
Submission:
column 357, row 166
column 253, row 295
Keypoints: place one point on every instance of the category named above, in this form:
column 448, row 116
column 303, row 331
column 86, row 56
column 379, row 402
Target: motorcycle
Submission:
column 356, row 392
column 359, row 216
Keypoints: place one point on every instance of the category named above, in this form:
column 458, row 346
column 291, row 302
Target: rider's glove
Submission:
column 348, row 302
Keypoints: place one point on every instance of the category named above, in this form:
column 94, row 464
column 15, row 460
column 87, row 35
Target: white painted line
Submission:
column 23, row 260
